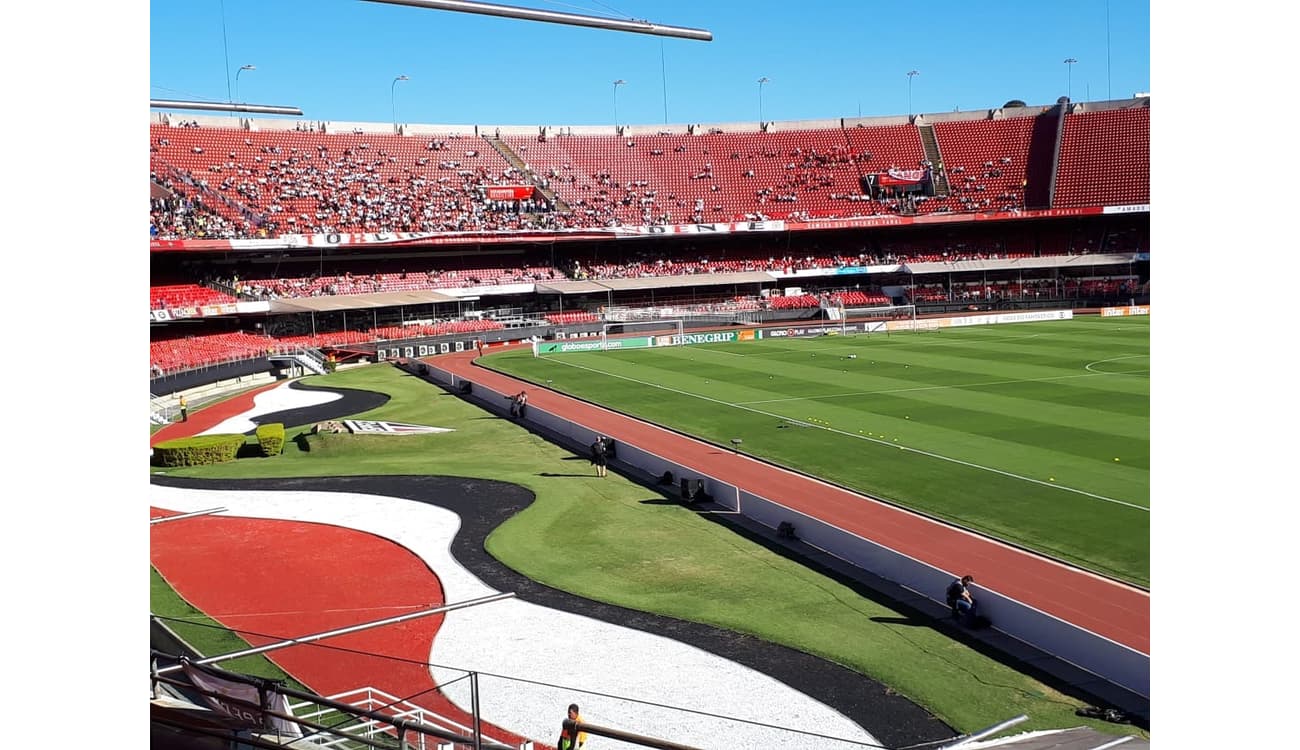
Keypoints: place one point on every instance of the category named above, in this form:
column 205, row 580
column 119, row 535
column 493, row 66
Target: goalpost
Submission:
column 883, row 319
column 657, row 332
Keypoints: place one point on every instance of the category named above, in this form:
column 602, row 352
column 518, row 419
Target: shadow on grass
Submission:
column 552, row 474
column 911, row 616
column 249, row 450
column 914, row 621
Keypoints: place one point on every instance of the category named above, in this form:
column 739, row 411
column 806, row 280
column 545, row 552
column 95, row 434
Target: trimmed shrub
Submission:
column 197, row 450
column 271, row 438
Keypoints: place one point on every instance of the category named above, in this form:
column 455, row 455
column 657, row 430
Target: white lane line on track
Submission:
column 928, row 454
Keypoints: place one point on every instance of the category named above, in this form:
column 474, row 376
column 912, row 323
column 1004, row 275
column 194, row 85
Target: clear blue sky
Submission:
column 336, row 59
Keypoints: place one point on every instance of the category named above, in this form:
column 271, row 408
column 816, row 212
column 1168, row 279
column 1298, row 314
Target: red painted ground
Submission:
column 202, row 419
column 1113, row 610
column 288, row 579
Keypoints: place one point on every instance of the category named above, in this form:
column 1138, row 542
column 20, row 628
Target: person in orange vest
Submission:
column 566, row 737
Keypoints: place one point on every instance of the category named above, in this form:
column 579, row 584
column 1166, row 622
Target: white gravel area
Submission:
column 280, row 398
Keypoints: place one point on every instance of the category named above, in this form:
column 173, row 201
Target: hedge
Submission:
column 197, row 450
column 271, row 438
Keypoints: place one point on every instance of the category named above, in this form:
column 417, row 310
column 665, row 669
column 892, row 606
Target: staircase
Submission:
column 509, row 155
column 931, row 146
column 310, row 359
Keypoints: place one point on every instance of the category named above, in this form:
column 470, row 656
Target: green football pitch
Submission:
column 1035, row 433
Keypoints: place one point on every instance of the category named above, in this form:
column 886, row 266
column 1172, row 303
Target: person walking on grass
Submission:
column 600, row 456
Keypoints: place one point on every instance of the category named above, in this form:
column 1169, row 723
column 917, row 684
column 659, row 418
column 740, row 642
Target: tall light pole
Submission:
column 1069, row 77
column 241, row 70
column 619, row 82
column 392, row 95
column 910, row 76
column 761, row 81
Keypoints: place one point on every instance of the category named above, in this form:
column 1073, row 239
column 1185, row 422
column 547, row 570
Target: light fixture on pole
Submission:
column 619, row 82
column 761, row 81
column 237, row 72
column 910, row 75
column 392, row 95
column 1069, row 77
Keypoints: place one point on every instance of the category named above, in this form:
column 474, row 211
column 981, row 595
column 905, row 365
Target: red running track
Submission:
column 272, row 580
column 203, row 419
column 1113, row 610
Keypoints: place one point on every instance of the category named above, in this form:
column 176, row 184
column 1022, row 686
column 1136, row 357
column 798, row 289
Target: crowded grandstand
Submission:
column 348, row 242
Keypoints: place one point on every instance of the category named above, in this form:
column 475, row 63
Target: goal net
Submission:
column 655, row 332
column 881, row 319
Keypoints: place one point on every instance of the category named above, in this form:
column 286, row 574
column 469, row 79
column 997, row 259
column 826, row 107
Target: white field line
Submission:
column 931, row 342
column 924, row 388
column 917, row 451
column 1088, row 366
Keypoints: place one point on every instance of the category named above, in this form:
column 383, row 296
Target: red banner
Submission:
column 902, row 177
column 509, row 192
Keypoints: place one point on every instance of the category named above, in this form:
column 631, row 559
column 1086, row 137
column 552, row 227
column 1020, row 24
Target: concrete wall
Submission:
column 1116, row 663
column 1111, row 661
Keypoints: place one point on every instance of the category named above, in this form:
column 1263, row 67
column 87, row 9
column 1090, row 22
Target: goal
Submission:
column 655, row 332
column 883, row 319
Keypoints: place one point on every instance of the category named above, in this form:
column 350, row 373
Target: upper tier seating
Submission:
column 717, row 176
column 232, row 182
column 308, row 182
column 1105, row 159
column 986, row 161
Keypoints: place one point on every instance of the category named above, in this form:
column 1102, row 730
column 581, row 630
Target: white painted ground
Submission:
column 280, row 398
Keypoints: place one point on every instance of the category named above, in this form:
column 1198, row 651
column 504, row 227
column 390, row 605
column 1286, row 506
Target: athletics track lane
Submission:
column 1110, row 609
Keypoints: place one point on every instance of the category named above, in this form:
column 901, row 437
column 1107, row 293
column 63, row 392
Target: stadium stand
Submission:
column 213, row 180
column 1105, row 158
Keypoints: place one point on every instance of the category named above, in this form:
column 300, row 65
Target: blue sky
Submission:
column 824, row 59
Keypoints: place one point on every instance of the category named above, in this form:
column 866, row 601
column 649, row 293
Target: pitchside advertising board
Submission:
column 882, row 326
column 1115, row 312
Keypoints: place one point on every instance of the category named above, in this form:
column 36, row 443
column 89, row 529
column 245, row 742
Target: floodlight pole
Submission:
column 242, row 68
column 1069, row 77
column 619, row 82
column 761, row 81
column 910, row 75
column 635, row 26
column 392, row 95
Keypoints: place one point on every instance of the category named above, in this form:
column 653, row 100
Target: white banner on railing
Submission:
column 726, row 227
